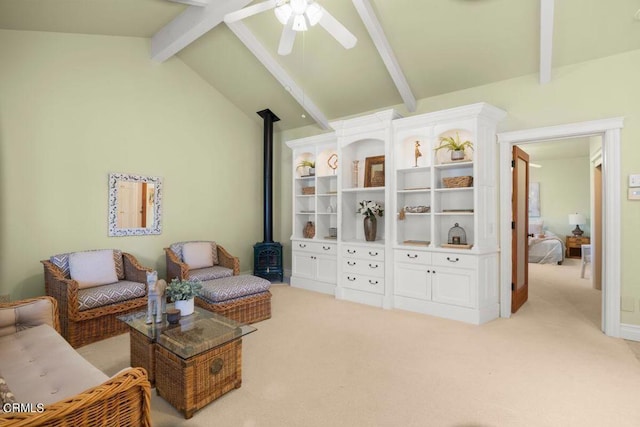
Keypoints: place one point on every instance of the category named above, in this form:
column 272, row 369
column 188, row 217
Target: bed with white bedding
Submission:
column 544, row 246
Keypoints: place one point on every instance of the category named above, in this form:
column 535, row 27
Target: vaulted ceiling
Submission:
column 439, row 46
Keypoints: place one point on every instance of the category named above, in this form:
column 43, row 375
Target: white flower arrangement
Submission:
column 369, row 208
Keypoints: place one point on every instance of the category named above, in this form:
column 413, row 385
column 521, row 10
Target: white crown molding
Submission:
column 324, row 138
column 251, row 42
column 480, row 109
column 190, row 25
column 371, row 22
column 546, row 39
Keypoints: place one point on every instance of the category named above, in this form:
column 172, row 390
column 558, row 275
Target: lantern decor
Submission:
column 457, row 235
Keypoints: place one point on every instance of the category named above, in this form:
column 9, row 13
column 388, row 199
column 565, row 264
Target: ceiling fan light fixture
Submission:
column 300, row 23
column 283, row 13
column 314, row 13
column 299, row 6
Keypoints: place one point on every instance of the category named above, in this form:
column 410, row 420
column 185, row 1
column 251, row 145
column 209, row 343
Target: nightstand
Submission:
column 574, row 243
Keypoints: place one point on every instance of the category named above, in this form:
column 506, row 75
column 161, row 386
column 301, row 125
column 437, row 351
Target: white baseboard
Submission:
column 630, row 332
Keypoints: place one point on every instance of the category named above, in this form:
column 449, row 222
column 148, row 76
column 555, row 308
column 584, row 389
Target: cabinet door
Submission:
column 326, row 269
column 453, row 286
column 412, row 281
column 303, row 265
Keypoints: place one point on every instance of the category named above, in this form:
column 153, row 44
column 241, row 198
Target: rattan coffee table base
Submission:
column 190, row 384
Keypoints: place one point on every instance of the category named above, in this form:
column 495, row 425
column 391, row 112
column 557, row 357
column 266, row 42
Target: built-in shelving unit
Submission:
column 412, row 264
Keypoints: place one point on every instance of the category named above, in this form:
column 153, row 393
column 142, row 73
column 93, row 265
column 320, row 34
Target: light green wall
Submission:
column 74, row 108
column 564, row 189
column 603, row 88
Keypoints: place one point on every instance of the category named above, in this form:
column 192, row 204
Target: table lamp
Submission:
column 577, row 219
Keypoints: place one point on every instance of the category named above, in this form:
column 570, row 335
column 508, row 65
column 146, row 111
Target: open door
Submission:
column 520, row 229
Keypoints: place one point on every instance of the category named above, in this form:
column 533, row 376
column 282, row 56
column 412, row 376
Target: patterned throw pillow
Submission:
column 5, row 393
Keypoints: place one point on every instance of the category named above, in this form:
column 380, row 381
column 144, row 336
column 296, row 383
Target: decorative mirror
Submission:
column 135, row 203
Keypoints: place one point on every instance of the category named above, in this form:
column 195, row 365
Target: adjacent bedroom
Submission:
column 563, row 194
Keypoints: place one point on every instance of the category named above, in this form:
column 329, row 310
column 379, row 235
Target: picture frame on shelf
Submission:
column 374, row 171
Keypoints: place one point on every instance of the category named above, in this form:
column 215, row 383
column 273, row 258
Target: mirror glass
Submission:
column 135, row 203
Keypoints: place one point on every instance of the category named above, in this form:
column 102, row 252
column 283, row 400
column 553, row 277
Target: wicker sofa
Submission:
column 89, row 307
column 44, row 381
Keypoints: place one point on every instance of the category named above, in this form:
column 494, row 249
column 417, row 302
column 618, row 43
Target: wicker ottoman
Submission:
column 244, row 298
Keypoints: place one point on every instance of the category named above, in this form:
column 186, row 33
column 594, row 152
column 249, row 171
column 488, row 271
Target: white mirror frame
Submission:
column 114, row 231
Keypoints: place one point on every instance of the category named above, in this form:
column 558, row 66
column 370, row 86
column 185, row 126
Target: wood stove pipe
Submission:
column 269, row 118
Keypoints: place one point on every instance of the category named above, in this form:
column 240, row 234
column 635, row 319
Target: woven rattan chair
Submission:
column 178, row 269
column 83, row 323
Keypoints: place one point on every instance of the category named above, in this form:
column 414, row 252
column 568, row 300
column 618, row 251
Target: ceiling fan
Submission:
column 297, row 15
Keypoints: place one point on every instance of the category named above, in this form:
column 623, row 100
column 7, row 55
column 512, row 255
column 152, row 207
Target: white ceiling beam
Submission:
column 546, row 39
column 371, row 22
column 251, row 42
column 192, row 2
column 191, row 24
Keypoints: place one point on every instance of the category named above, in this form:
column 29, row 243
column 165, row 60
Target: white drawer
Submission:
column 363, row 266
column 363, row 252
column 455, row 260
column 361, row 282
column 317, row 247
column 412, row 257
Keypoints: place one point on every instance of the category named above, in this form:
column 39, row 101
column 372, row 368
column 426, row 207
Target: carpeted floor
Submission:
column 323, row 362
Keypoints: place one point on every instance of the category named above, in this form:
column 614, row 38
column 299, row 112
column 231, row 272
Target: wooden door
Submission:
column 520, row 229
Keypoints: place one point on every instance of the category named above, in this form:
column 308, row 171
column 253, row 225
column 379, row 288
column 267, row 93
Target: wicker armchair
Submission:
column 225, row 265
column 86, row 315
column 122, row 400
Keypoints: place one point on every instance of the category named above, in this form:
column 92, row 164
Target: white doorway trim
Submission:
column 609, row 130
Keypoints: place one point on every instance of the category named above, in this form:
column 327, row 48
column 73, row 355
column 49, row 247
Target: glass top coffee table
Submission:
column 191, row 363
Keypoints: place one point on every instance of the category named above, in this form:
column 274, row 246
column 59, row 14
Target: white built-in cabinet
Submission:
column 411, row 264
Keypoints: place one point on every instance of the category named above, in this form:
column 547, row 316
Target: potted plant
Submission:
column 308, row 163
column 455, row 146
column 182, row 293
column 370, row 210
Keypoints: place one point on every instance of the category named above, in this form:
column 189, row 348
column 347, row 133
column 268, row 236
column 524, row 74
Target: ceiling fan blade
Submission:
column 250, row 11
column 286, row 40
column 337, row 30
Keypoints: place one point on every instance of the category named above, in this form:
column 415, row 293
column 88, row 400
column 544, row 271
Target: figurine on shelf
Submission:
column 417, row 153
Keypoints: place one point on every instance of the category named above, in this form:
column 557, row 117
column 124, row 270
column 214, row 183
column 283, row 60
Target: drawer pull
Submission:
column 453, row 260
column 351, row 263
column 373, row 253
column 412, row 256
column 373, row 266
column 349, row 251
column 216, row 366
column 373, row 282
column 351, row 279
column 313, row 257
column 326, row 248
column 302, row 245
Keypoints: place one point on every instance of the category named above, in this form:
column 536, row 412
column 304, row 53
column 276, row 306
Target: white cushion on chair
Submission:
column 93, row 268
column 197, row 254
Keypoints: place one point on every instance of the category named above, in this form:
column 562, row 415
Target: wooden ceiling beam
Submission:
column 191, row 24
column 251, row 42
column 371, row 22
column 546, row 39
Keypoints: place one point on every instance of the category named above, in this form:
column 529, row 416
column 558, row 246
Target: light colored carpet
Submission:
column 323, row 362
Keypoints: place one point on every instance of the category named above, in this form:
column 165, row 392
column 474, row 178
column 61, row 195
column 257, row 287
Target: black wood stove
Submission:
column 267, row 255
